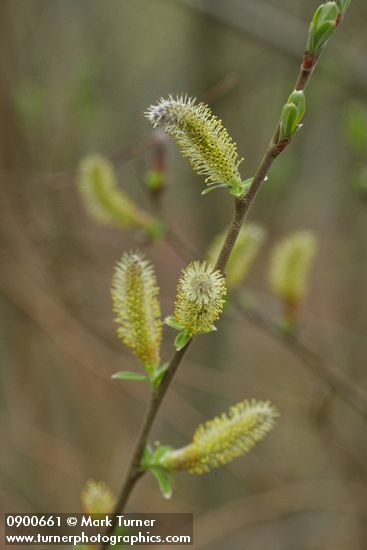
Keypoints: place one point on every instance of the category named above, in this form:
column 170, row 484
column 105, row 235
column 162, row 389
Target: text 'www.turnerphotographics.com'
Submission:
column 96, row 529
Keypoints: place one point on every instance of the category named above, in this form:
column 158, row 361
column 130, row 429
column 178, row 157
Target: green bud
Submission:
column 292, row 114
column 298, row 99
column 288, row 121
column 152, row 462
column 154, row 180
column 182, row 339
column 322, row 26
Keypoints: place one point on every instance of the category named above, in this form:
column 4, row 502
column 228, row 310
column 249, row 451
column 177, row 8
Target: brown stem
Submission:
column 242, row 206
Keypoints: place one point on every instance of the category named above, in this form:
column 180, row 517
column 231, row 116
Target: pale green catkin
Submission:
column 97, row 498
column 201, row 137
column 221, row 440
column 201, row 295
column 105, row 201
column 290, row 264
column 243, row 254
column 137, row 309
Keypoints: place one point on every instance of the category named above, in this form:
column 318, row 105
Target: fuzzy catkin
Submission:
column 137, row 309
column 201, row 137
column 290, row 264
column 201, row 295
column 221, row 440
column 97, row 498
column 105, row 201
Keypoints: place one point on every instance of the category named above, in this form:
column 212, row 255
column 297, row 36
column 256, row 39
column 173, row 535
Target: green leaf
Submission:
column 182, row 339
column 246, row 184
column 326, row 12
column 146, row 458
column 171, row 322
column 329, row 12
column 152, row 458
column 298, row 99
column 157, row 376
column 322, row 27
column 128, row 375
column 289, row 121
column 164, row 481
column 240, row 190
column 213, row 188
column 159, row 453
column 322, row 35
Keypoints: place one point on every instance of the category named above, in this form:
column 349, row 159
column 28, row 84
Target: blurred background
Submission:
column 75, row 79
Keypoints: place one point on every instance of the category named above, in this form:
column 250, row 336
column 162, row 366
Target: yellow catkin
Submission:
column 221, row 440
column 201, row 295
column 243, row 255
column 201, row 137
column 290, row 264
column 137, row 309
column 97, row 498
column 105, row 201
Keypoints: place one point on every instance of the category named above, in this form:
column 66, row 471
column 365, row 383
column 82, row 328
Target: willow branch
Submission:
column 241, row 208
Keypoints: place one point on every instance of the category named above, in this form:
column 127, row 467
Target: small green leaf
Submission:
column 298, row 99
column 164, row 481
column 289, row 120
column 157, row 376
column 323, row 34
column 160, row 451
column 247, row 184
column 322, row 27
column 182, row 339
column 171, row 322
column 213, row 188
column 128, row 375
column 146, row 458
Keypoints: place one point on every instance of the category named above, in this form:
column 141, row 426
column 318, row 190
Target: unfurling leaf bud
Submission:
column 201, row 137
column 292, row 114
column 109, row 204
column 200, row 298
column 221, row 440
column 136, row 305
column 323, row 25
column 97, row 498
column 289, row 269
column 243, row 254
column 151, row 462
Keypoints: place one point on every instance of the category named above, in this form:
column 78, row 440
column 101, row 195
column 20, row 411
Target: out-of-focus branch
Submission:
column 279, row 29
column 348, row 391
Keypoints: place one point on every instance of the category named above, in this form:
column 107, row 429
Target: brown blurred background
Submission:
column 75, row 78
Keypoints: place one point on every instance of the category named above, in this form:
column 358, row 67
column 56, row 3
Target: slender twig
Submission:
column 346, row 389
column 242, row 206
